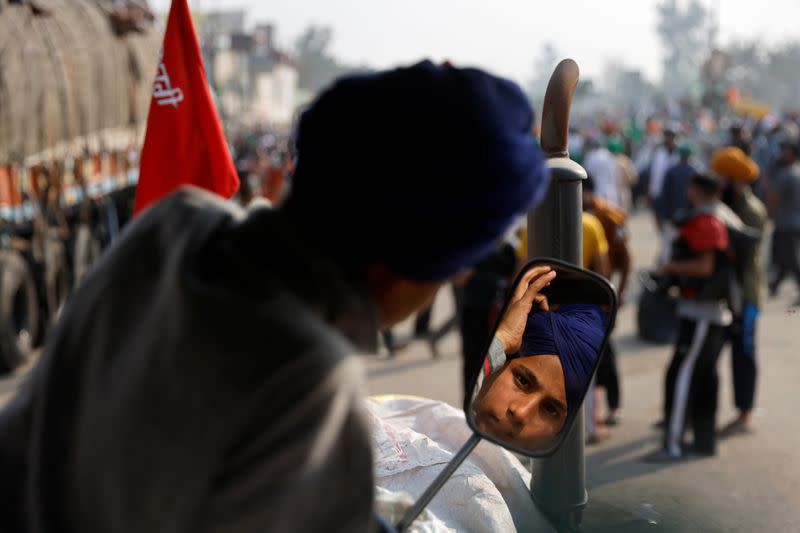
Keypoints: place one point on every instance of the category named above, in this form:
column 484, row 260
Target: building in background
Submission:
column 254, row 82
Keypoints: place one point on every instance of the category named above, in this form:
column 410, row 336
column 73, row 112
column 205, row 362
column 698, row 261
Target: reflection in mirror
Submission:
column 542, row 357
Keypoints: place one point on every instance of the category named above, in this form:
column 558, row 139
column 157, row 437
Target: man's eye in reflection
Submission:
column 524, row 383
column 551, row 409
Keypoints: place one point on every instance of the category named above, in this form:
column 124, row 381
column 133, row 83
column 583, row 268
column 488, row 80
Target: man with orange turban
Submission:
column 738, row 171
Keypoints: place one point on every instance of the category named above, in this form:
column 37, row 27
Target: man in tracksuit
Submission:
column 701, row 265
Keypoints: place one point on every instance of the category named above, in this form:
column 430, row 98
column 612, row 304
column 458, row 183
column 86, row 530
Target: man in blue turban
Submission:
column 526, row 396
column 203, row 376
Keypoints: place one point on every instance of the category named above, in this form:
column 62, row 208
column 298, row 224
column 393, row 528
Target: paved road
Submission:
column 752, row 485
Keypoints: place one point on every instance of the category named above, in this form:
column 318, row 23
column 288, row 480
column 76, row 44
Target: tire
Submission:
column 19, row 311
column 87, row 250
column 56, row 277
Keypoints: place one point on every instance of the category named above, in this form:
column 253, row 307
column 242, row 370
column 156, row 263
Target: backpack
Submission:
column 613, row 220
column 728, row 279
column 742, row 240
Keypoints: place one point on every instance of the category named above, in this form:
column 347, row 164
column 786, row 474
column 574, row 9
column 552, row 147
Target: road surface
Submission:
column 753, row 484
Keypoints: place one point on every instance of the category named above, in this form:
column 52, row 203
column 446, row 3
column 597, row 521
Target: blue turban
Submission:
column 575, row 334
column 420, row 168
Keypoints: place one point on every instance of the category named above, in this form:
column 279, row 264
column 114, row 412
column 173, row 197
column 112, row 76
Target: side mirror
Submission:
column 545, row 349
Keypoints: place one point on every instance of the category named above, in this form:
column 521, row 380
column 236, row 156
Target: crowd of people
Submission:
column 710, row 205
column 264, row 160
column 710, row 196
column 674, row 169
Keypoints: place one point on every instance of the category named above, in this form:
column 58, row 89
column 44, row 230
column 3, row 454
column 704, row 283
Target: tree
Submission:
column 624, row 86
column 770, row 76
column 686, row 36
column 781, row 82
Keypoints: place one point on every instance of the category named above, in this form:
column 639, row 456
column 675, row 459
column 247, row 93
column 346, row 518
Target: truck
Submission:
column 75, row 87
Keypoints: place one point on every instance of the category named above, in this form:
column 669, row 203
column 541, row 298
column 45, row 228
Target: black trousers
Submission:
column 422, row 326
column 785, row 257
column 742, row 336
column 608, row 378
column 691, row 386
column 475, row 338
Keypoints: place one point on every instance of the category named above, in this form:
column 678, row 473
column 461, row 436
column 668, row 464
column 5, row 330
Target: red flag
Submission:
column 184, row 142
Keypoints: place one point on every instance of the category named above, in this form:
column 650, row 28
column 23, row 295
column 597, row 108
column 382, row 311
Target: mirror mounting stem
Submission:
column 558, row 485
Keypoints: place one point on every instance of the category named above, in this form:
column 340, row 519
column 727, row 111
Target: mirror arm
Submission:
column 437, row 484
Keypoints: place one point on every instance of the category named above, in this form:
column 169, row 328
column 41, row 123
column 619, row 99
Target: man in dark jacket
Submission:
column 672, row 199
column 783, row 193
column 202, row 379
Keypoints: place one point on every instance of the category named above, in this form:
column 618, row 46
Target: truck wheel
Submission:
column 56, row 278
column 19, row 311
column 87, row 250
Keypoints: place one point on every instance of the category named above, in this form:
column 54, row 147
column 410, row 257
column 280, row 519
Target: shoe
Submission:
column 735, row 428
column 773, row 291
column 693, row 452
column 613, row 419
column 663, row 456
column 435, row 354
column 600, row 434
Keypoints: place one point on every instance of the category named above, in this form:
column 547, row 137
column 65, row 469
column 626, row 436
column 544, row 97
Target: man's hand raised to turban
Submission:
column 526, row 295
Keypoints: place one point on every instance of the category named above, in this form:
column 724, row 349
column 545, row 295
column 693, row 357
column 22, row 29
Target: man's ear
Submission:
column 378, row 278
column 397, row 298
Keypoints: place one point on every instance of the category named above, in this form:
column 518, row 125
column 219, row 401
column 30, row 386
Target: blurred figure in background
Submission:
column 643, row 158
column 664, row 158
column 595, row 258
column 245, row 194
column 784, row 206
column 738, row 171
column 601, row 163
column 739, row 136
column 575, row 144
column 672, row 200
column 613, row 221
column 484, row 288
column 627, row 178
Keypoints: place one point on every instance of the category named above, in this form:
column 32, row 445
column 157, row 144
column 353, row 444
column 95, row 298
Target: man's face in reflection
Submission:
column 525, row 402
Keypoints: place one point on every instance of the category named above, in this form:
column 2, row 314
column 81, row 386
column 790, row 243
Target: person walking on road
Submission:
column 484, row 288
column 784, row 206
column 602, row 164
column 664, row 158
column 672, row 201
column 595, row 258
column 739, row 172
column 627, row 178
column 613, row 220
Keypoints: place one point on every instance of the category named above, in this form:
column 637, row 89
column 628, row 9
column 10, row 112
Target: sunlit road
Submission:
column 752, row 485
